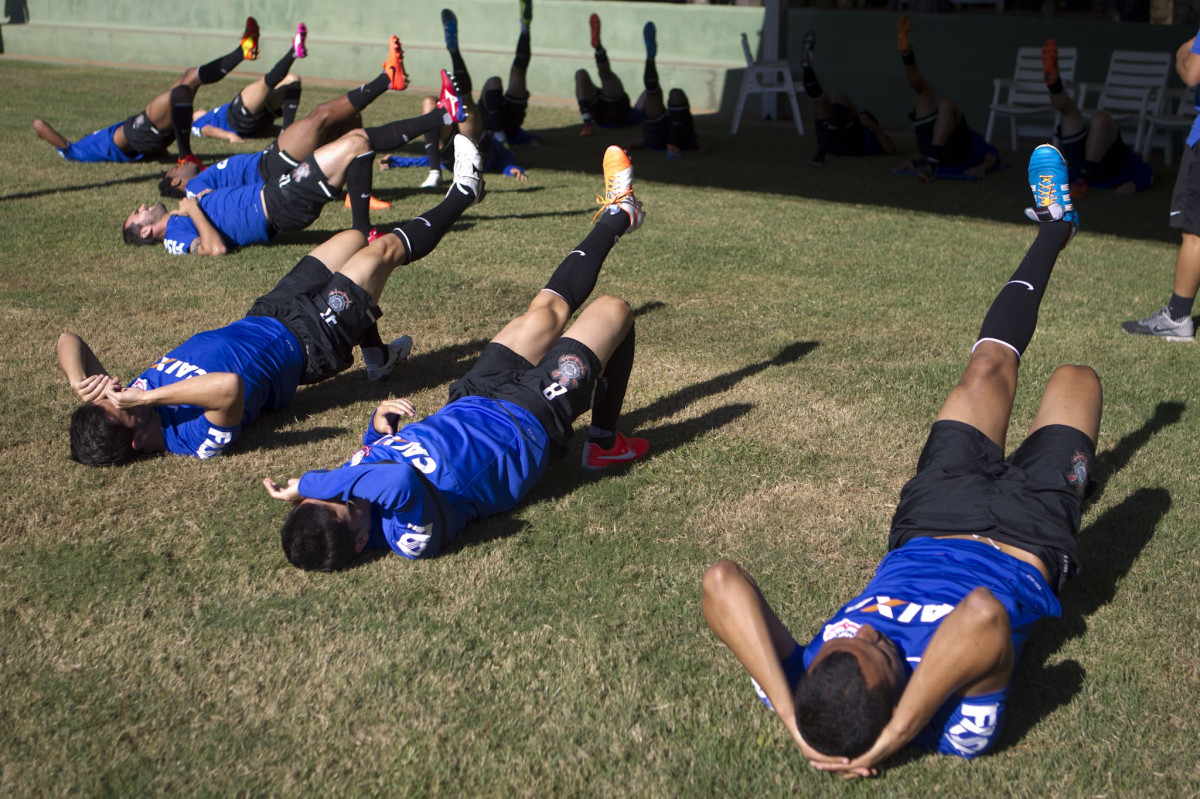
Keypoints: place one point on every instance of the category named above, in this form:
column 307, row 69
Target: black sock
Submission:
column 909, row 58
column 395, row 135
column 364, row 95
column 422, row 234
column 681, row 130
column 213, row 71
column 492, row 103
column 280, row 70
column 602, row 61
column 1012, row 317
column 607, row 411
column 462, row 78
column 358, row 186
column 432, row 151
column 521, row 61
column 812, row 86
column 181, row 118
column 1179, row 307
column 1057, row 86
column 291, row 102
column 371, row 339
column 650, row 76
column 1088, row 169
column 576, row 276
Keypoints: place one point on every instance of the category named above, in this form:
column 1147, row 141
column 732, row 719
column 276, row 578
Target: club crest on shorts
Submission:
column 1078, row 476
column 569, row 372
column 301, row 172
column 337, row 300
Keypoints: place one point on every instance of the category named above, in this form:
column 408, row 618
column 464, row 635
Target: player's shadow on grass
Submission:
column 568, row 477
column 25, row 195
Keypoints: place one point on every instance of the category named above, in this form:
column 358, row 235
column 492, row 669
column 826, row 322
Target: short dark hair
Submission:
column 314, row 538
column 168, row 189
column 835, row 710
column 132, row 235
column 96, row 440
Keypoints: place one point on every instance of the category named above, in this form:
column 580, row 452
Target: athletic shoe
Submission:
column 1162, row 325
column 397, row 353
column 393, row 67
column 588, row 129
column 432, row 180
column 376, row 203
column 450, row 101
column 468, row 168
column 1050, row 186
column 250, row 40
column 1050, row 61
column 649, row 33
column 372, row 234
column 904, row 33
column 618, row 187
column 298, row 48
column 191, row 159
column 624, row 450
column 526, row 12
column 594, row 23
column 818, row 158
column 450, row 26
column 807, row 44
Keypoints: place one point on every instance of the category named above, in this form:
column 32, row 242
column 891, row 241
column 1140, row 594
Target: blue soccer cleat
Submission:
column 1051, row 188
column 450, row 25
column 649, row 34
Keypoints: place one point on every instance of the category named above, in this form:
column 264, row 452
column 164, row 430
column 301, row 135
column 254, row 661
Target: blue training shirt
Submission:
column 236, row 170
column 914, row 588
column 260, row 349
column 216, row 118
column 1194, row 133
column 98, row 147
column 236, row 212
column 473, row 458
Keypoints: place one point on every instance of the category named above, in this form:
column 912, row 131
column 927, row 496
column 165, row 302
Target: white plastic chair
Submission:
column 766, row 77
column 1178, row 114
column 1132, row 91
column 1025, row 97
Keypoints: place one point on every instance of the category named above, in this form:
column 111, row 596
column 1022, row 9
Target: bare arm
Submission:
column 971, row 653
column 1187, row 63
column 219, row 393
column 83, row 369
column 210, row 241
column 212, row 132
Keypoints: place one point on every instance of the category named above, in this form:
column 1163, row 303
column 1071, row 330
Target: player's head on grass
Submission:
column 848, row 693
column 104, row 435
column 146, row 225
column 320, row 535
column 174, row 180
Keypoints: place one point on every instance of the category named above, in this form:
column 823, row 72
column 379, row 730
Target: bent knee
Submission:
column 677, row 97
column 613, row 305
column 1076, row 373
column 717, row 577
column 493, row 83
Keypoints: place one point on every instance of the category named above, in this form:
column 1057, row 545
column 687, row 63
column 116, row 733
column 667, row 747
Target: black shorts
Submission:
column 1110, row 167
column 1032, row 499
column 511, row 114
column 849, row 139
column 274, row 163
column 326, row 311
column 557, row 391
column 144, row 138
column 294, row 201
column 1185, row 200
column 610, row 112
column 657, row 132
column 246, row 124
column 958, row 147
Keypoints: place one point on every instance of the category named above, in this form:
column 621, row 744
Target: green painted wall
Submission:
column 699, row 48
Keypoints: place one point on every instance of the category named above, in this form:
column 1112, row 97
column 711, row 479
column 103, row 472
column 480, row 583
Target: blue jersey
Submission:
column 1194, row 133
column 914, row 588
column 236, row 212
column 260, row 349
column 97, row 148
column 473, row 458
column 236, row 170
column 215, row 118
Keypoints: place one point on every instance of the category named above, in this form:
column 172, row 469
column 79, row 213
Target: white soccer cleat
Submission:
column 468, row 169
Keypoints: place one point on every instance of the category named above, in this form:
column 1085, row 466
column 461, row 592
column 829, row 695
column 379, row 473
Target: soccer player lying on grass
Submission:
column 944, row 138
column 272, row 194
column 198, row 397
column 979, row 547
column 1097, row 156
column 167, row 118
column 608, row 105
column 841, row 128
column 414, row 488
column 253, row 111
column 668, row 127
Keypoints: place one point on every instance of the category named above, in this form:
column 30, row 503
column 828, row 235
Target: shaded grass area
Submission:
column 798, row 329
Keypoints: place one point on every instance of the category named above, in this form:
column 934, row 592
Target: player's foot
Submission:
column 1050, row 61
column 372, row 234
column 1162, row 325
column 594, row 24
column 650, row 35
column 250, row 40
column 397, row 353
column 450, row 101
column 526, row 12
column 468, row 168
column 623, row 450
column 673, row 152
column 818, row 158
column 450, row 27
column 393, row 67
column 1051, row 188
column 588, row 129
column 192, row 159
column 618, row 187
column 376, row 203
column 432, row 180
column 298, row 41
column 904, row 33
column 807, row 44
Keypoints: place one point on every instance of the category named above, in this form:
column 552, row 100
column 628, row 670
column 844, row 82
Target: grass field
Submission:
column 798, row 330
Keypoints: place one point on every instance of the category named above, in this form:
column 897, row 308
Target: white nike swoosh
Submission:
column 423, row 219
column 627, row 455
column 1020, row 283
column 1176, row 213
column 581, row 252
